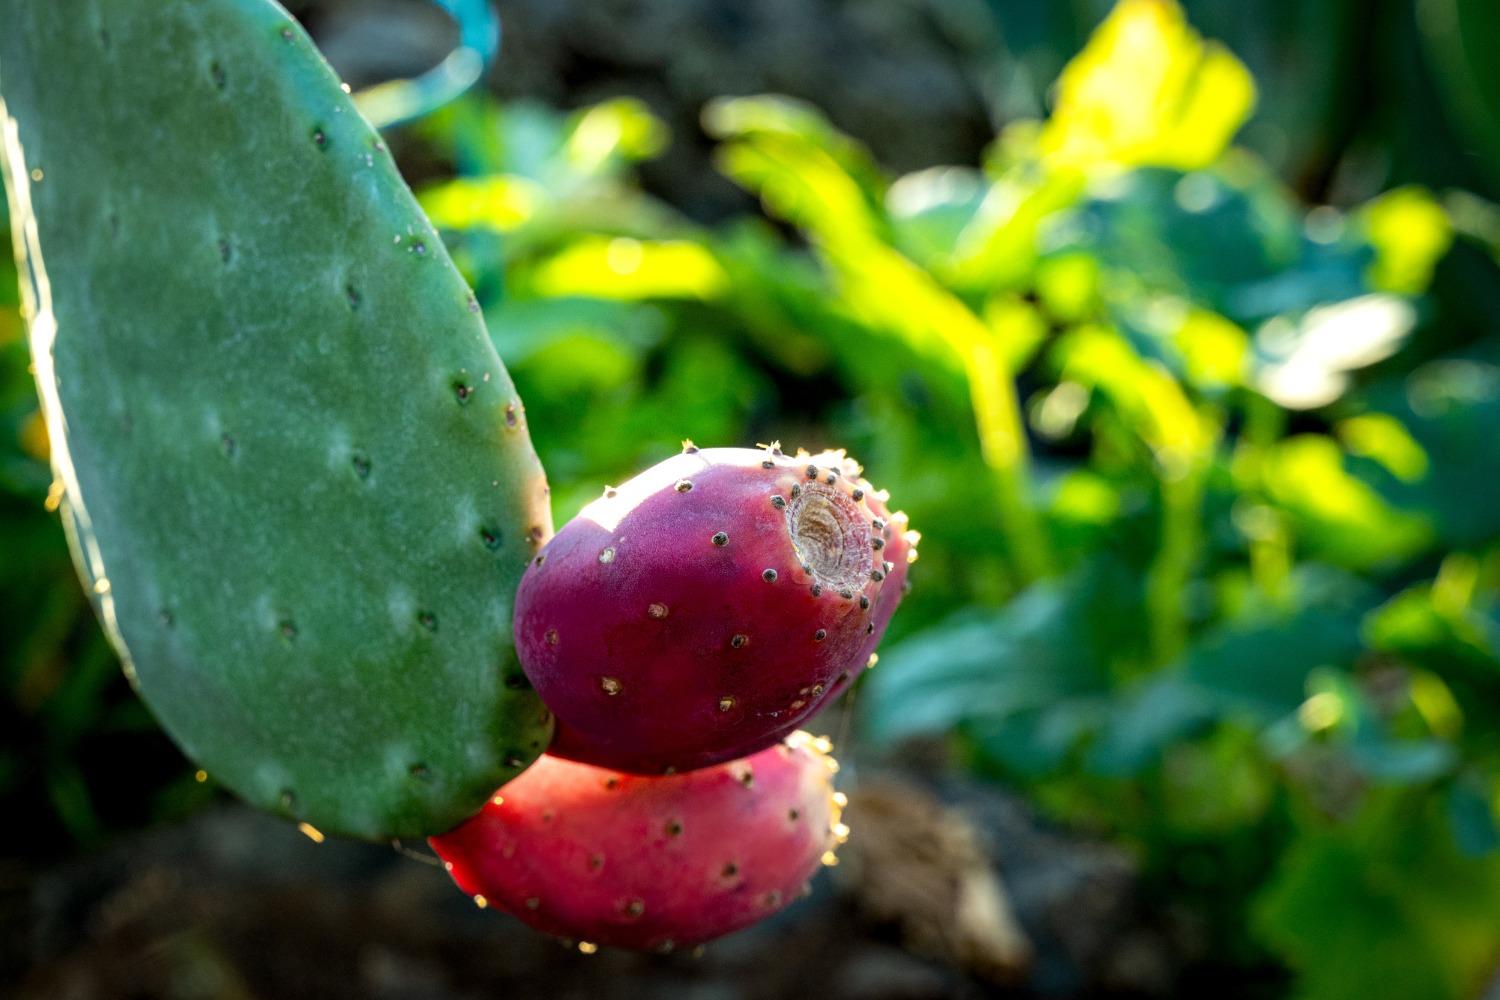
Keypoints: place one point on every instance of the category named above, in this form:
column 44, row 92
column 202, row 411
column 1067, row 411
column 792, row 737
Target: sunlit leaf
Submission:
column 500, row 202
column 1383, row 438
column 626, row 268
column 1147, row 91
column 1152, row 401
column 615, row 132
column 1410, row 233
column 1337, row 515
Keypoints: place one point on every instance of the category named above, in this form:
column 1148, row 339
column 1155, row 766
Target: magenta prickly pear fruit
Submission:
column 707, row 607
column 656, row 862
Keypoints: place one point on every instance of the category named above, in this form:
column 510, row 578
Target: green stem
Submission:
column 1172, row 568
column 1002, row 443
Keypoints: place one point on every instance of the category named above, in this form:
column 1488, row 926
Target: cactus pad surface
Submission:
column 295, row 474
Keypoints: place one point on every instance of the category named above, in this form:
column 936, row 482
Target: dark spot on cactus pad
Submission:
column 320, row 138
column 864, row 602
column 352, row 296
column 514, row 759
column 720, row 538
column 688, row 448
column 427, row 620
column 114, row 224
column 877, row 543
column 877, row 575
column 535, row 534
column 730, row 869
column 772, row 899
column 812, row 472
column 769, row 575
column 287, row 628
column 104, row 39
column 473, row 304
column 820, row 635
column 633, row 908
column 817, row 589
column 768, row 464
column 517, row 681
column 417, row 246
column 869, row 628
column 738, row 640
column 859, row 494
column 216, row 73
column 533, row 903
column 611, row 783
column 420, row 771
column 225, row 251
column 361, row 464
column 832, row 478
column 551, row 637
column 166, row 618
column 462, row 391
column 847, row 595
column 684, row 486
column 511, row 417
column 674, row 828
column 287, row 34
column 878, row 524
column 778, row 501
column 793, row 815
column 596, row 862
column 288, row 799
column 490, row 536
column 796, row 490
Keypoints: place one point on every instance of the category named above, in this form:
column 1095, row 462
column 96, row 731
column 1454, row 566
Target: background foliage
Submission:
column 1190, row 383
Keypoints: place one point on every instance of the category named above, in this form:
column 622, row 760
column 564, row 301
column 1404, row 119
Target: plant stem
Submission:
column 1002, row 443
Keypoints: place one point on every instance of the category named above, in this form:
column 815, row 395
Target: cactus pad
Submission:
column 296, row 476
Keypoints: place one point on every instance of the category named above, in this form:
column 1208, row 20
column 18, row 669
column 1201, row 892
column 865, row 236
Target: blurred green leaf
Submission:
column 1450, row 407
column 1387, row 906
column 1051, row 644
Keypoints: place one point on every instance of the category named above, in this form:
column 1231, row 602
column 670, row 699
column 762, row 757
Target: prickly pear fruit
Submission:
column 708, row 606
column 294, row 472
column 651, row 862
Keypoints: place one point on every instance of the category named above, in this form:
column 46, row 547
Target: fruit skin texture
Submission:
column 296, row 478
column 709, row 606
column 651, row 862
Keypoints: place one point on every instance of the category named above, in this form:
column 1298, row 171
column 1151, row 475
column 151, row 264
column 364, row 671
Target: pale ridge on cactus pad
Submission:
column 296, row 477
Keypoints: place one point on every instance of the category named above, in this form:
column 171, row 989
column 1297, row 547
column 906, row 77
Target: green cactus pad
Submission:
column 295, row 474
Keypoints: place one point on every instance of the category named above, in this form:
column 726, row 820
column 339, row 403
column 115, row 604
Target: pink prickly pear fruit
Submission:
column 709, row 606
column 651, row 862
